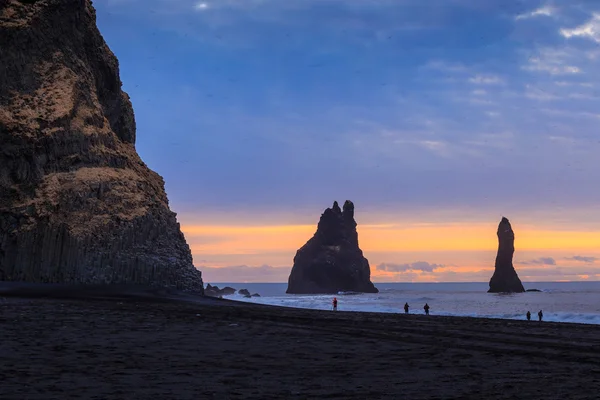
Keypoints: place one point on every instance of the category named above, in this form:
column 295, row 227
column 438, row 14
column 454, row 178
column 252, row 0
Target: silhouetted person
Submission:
column 406, row 308
column 334, row 304
column 540, row 315
column 426, row 308
column 528, row 316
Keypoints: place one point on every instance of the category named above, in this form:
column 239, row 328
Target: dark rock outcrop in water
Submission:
column 77, row 204
column 214, row 291
column 331, row 261
column 505, row 278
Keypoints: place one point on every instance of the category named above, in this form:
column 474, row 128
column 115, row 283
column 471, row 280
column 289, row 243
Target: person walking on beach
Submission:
column 334, row 304
column 528, row 316
column 405, row 308
column 426, row 308
column 540, row 315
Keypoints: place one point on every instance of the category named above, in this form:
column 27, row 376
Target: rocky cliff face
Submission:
column 331, row 260
column 77, row 204
column 505, row 278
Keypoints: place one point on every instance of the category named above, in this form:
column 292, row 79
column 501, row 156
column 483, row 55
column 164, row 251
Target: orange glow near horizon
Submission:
column 463, row 252
column 382, row 238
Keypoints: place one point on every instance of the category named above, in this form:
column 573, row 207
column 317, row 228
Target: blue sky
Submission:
column 394, row 104
column 267, row 110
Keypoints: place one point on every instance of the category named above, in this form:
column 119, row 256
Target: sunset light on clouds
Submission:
column 396, row 253
column 436, row 120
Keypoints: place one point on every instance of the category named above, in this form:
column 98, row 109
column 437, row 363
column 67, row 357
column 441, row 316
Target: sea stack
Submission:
column 331, row 261
column 505, row 278
column 77, row 204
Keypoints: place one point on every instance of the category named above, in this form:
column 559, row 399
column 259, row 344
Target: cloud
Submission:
column 535, row 93
column 558, row 273
column 589, row 30
column 554, row 61
column 589, row 260
column 435, row 146
column 201, row 6
column 445, row 66
column 481, row 79
column 546, row 11
column 245, row 273
column 539, row 261
column 422, row 266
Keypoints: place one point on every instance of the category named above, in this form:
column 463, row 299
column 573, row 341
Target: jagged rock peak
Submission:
column 336, row 208
column 77, row 204
column 332, row 261
column 505, row 278
column 348, row 210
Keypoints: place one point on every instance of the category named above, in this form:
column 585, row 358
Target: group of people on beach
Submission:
column 406, row 306
column 540, row 315
column 426, row 308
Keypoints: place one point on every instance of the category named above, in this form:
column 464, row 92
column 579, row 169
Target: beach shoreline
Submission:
column 198, row 347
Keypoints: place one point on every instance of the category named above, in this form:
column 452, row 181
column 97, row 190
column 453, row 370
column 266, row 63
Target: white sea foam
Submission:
column 561, row 302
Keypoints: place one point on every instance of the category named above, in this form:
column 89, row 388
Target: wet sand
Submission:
column 147, row 346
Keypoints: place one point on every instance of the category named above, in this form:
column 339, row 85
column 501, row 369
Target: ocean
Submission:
column 560, row 301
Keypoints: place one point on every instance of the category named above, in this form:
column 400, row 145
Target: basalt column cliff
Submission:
column 505, row 278
column 331, row 260
column 77, row 204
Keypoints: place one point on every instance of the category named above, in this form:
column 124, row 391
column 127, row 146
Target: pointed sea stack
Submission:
column 331, row 261
column 77, row 204
column 505, row 278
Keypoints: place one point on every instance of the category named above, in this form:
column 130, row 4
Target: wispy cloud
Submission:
column 585, row 259
column 445, row 66
column 559, row 273
column 553, row 61
column 546, row 11
column 422, row 266
column 589, row 30
column 535, row 93
column 539, row 261
column 201, row 6
column 482, row 79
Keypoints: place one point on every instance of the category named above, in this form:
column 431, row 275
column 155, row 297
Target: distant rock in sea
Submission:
column 331, row 261
column 77, row 204
column 505, row 278
column 214, row 291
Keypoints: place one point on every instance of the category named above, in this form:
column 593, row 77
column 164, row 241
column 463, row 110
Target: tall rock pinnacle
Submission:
column 331, row 260
column 77, row 204
column 505, row 278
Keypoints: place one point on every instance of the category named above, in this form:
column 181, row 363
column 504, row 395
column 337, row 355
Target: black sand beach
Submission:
column 143, row 346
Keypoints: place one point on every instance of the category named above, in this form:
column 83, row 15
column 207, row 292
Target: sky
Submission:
column 436, row 118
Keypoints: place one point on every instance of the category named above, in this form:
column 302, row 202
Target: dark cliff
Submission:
column 505, row 278
column 331, row 261
column 77, row 204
